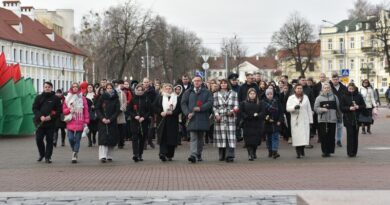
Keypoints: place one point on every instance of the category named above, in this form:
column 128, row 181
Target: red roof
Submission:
column 306, row 50
column 34, row 33
column 260, row 62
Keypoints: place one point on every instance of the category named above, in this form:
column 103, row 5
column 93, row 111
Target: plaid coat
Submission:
column 226, row 128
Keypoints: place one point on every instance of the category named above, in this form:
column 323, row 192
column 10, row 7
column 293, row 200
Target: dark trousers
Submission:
column 326, row 132
column 287, row 134
column 251, row 150
column 138, row 144
column 55, row 136
column 167, row 150
column 300, row 150
column 122, row 134
column 92, row 137
column 352, row 139
column 47, row 133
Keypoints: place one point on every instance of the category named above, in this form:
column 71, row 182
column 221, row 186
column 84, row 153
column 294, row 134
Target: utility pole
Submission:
column 147, row 59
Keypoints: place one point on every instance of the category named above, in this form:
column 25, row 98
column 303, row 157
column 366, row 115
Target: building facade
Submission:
column 351, row 45
column 60, row 20
column 42, row 54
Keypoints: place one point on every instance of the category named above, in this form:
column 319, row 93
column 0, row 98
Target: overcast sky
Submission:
column 253, row 21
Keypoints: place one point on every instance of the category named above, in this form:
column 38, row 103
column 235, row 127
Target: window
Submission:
column 311, row 67
column 36, row 59
column 361, row 63
column 341, row 64
column 330, row 65
column 384, row 82
column 352, row 43
column 352, row 64
column 58, row 61
column 54, row 84
column 63, row 85
column 341, row 44
column 2, row 49
column 372, row 42
column 38, row 86
column 20, row 55
column 330, row 45
column 362, row 42
column 43, row 59
column 32, row 58
column 26, row 57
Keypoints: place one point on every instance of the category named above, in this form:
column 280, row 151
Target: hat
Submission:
column 233, row 76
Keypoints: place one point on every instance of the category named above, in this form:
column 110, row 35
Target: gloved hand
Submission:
column 297, row 107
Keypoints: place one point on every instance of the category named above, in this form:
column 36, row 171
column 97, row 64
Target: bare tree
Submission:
column 297, row 39
column 270, row 51
column 381, row 33
column 235, row 52
column 361, row 9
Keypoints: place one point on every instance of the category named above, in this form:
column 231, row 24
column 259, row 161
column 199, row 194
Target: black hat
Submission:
column 233, row 76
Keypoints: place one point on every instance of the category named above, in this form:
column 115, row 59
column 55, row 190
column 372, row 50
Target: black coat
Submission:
column 93, row 120
column 141, row 106
column 343, row 90
column 108, row 107
column 351, row 118
column 59, row 123
column 46, row 104
column 168, row 126
column 309, row 92
column 252, row 126
column 273, row 109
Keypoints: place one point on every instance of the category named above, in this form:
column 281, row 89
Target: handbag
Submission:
column 364, row 118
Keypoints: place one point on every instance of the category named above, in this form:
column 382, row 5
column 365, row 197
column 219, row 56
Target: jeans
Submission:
column 339, row 131
column 196, row 143
column 74, row 140
column 273, row 141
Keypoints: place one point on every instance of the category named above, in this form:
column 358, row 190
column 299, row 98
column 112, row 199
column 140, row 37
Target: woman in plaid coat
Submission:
column 225, row 108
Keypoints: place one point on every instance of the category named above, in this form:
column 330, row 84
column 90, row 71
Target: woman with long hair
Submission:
column 298, row 105
column 93, row 121
column 368, row 95
column 225, row 109
column 75, row 108
column 251, row 122
column 167, row 109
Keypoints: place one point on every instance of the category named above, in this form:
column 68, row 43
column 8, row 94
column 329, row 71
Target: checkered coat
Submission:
column 226, row 128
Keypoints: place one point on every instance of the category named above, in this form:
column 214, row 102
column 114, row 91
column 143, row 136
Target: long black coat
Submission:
column 351, row 118
column 252, row 126
column 139, row 106
column 59, row 123
column 108, row 107
column 168, row 126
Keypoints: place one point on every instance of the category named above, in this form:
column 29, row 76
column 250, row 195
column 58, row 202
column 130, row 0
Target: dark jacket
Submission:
column 351, row 118
column 108, row 107
column 252, row 125
column 59, row 123
column 168, row 126
column 317, row 88
column 139, row 106
column 341, row 92
column 151, row 94
column 274, row 110
column 236, row 88
column 200, row 120
column 309, row 93
column 46, row 104
column 243, row 92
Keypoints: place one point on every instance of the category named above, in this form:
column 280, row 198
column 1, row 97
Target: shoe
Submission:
column 269, row 153
column 135, row 158
column 192, row 159
column 339, row 144
column 200, row 159
column 298, row 156
column 140, row 158
column 40, row 159
column 103, row 160
column 152, row 145
column 289, row 141
column 352, row 155
column 74, row 157
column 48, row 161
column 364, row 132
column 229, row 160
column 254, row 155
column 109, row 160
column 120, row 147
column 163, row 158
column 54, row 144
column 275, row 154
column 170, row 159
column 63, row 145
column 368, row 131
column 251, row 158
column 325, row 155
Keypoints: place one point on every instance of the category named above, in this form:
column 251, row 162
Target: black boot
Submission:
column 369, row 129
column 222, row 152
column 303, row 151
column 270, row 153
column 363, row 129
column 297, row 149
column 275, row 154
column 250, row 153
column 254, row 152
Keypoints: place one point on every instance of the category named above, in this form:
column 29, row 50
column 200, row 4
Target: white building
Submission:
column 42, row 54
column 351, row 45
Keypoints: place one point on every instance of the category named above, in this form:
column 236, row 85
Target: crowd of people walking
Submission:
column 222, row 112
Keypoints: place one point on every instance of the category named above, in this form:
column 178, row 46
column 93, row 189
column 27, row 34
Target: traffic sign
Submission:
column 344, row 72
column 205, row 58
column 205, row 66
column 199, row 73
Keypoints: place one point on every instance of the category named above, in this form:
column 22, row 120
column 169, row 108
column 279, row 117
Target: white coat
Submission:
column 300, row 120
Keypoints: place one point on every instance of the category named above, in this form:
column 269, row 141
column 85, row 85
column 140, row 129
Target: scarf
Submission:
column 90, row 96
column 170, row 103
column 75, row 101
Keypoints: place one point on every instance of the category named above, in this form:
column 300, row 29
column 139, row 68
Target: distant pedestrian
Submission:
column 60, row 124
column 46, row 108
column 368, row 95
